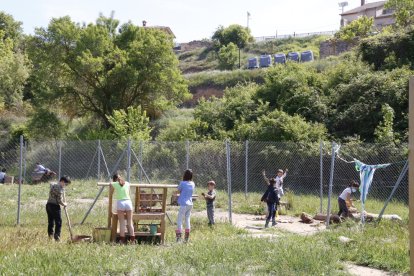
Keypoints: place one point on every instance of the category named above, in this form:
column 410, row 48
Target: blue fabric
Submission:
column 186, row 189
column 366, row 174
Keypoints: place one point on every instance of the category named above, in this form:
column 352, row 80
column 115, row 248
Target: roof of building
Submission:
column 162, row 28
column 365, row 7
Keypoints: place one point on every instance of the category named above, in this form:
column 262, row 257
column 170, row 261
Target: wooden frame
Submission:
column 142, row 212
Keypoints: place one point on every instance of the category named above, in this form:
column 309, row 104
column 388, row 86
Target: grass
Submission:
column 223, row 250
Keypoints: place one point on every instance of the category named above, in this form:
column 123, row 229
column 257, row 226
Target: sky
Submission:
column 189, row 19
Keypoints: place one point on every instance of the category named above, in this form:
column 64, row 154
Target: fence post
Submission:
column 229, row 178
column 99, row 160
column 24, row 160
column 321, row 175
column 187, row 154
column 246, row 168
column 60, row 158
column 328, row 215
column 140, row 160
column 20, row 179
column 403, row 172
column 411, row 169
column 129, row 160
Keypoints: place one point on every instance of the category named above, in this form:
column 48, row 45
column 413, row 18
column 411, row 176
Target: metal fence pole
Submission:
column 328, row 215
column 99, row 160
column 20, row 179
column 246, row 169
column 140, row 160
column 129, row 160
column 400, row 178
column 229, row 178
column 24, row 160
column 321, row 176
column 187, row 155
column 60, row 158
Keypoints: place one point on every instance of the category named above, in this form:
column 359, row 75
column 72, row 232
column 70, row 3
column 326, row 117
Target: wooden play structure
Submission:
column 149, row 204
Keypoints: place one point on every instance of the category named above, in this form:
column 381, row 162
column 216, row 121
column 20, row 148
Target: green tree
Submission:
column 228, row 56
column 361, row 27
column 14, row 71
column 12, row 29
column 99, row 68
column 132, row 123
column 384, row 132
column 403, row 11
column 45, row 124
column 235, row 33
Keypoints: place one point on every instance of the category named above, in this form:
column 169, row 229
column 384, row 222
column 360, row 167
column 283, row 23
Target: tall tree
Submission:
column 100, row 68
column 12, row 29
column 403, row 11
column 235, row 34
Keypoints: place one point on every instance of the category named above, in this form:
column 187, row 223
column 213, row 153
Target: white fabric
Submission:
column 185, row 211
column 124, row 205
column 346, row 192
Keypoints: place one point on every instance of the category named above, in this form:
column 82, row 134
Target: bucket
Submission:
column 101, row 234
column 153, row 229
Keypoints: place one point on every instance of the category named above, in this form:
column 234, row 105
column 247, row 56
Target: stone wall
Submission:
column 334, row 47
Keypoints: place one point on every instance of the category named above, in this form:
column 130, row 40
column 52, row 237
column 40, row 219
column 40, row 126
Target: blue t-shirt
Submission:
column 186, row 189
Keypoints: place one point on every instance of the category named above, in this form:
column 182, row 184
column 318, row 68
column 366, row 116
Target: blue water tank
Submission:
column 265, row 60
column 293, row 56
column 280, row 58
column 306, row 56
column 252, row 63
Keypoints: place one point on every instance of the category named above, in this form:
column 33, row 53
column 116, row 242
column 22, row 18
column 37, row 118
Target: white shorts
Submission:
column 124, row 205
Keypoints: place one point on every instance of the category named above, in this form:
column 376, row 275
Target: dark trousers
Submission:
column 343, row 209
column 271, row 208
column 54, row 219
column 210, row 213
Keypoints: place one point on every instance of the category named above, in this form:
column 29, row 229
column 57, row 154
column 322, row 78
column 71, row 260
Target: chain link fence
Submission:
column 235, row 166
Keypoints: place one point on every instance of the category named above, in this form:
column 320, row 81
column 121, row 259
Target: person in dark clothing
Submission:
column 54, row 216
column 272, row 200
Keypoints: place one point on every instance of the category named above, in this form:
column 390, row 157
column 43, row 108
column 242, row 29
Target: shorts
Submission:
column 124, row 205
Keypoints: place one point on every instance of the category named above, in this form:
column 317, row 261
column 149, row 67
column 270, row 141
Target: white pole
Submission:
column 140, row 161
column 411, row 169
column 129, row 160
column 60, row 159
column 20, row 179
column 187, row 155
column 328, row 215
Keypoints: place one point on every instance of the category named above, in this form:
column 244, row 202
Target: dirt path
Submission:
column 255, row 226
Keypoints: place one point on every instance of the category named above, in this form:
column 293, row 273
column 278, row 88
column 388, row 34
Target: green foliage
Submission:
column 228, row 56
column 175, row 125
column 357, row 28
column 384, row 133
column 45, row 124
column 235, row 34
column 12, row 29
column 389, row 50
column 14, row 71
column 96, row 69
column 132, row 123
column 403, row 11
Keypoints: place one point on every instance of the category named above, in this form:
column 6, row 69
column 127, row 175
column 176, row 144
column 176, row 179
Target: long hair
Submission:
column 188, row 175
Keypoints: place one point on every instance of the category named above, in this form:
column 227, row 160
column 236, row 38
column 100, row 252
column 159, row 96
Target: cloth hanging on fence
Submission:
column 366, row 174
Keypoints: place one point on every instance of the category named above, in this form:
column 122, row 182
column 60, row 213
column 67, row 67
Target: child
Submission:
column 279, row 181
column 185, row 201
column 2, row 176
column 346, row 196
column 210, row 198
column 272, row 200
column 54, row 216
column 123, row 205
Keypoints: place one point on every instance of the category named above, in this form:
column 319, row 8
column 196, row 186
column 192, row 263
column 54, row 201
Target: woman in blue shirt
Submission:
column 185, row 200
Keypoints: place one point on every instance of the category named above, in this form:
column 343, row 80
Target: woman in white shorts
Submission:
column 124, row 205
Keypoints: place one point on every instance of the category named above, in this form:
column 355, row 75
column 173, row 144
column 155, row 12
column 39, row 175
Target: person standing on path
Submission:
column 53, row 210
column 210, row 197
column 185, row 201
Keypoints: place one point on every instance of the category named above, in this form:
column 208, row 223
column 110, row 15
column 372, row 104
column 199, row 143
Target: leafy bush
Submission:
column 228, row 56
column 357, row 28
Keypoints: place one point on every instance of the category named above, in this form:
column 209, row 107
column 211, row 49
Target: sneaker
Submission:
column 274, row 223
column 267, row 224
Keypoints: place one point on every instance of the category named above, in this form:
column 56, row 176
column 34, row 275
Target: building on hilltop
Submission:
column 382, row 16
column 162, row 28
